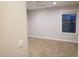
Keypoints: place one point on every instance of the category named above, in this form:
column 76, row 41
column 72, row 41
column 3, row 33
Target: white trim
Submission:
column 53, row 38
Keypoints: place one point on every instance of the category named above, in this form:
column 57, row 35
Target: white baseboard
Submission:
column 53, row 38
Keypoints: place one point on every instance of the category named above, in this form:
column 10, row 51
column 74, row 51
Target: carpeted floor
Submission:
column 38, row 47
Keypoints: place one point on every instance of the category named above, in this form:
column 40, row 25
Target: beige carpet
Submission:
column 50, row 48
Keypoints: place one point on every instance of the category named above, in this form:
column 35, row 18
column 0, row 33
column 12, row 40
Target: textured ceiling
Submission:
column 46, row 4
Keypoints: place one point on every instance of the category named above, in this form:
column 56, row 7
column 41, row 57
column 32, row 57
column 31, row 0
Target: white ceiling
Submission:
column 46, row 4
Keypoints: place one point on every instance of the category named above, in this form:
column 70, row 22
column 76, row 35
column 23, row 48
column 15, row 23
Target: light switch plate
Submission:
column 20, row 44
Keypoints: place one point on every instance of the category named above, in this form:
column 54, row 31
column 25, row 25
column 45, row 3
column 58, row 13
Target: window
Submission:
column 69, row 23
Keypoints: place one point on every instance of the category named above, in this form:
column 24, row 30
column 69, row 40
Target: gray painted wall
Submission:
column 48, row 23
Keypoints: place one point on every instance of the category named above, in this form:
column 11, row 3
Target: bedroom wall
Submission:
column 13, row 29
column 47, row 23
